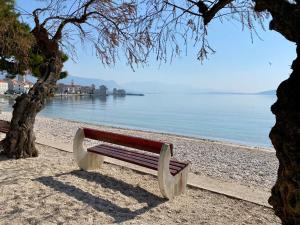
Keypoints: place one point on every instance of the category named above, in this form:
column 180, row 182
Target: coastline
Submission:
column 215, row 141
column 251, row 166
column 201, row 138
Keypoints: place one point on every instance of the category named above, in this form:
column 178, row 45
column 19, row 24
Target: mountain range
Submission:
column 110, row 84
column 158, row 87
column 145, row 87
column 270, row 92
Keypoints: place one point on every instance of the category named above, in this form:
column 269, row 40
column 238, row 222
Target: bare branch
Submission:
column 209, row 14
column 183, row 9
column 81, row 19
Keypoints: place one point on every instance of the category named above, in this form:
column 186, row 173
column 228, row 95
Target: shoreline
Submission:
column 215, row 141
column 219, row 160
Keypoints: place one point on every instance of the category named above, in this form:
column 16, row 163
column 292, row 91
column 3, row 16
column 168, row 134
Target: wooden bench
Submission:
column 4, row 128
column 172, row 174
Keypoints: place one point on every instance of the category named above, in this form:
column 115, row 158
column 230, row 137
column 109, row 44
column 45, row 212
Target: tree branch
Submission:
column 36, row 17
column 79, row 20
column 183, row 9
column 209, row 14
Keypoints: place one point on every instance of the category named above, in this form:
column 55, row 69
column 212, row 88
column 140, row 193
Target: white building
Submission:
column 3, row 86
column 18, row 87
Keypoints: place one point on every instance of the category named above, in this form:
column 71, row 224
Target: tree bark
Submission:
column 285, row 137
column 20, row 140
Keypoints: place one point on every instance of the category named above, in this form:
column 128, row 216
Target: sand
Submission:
column 51, row 190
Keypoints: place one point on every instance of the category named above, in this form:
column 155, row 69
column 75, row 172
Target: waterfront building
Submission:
column 119, row 92
column 73, row 89
column 93, row 89
column 19, row 86
column 86, row 90
column 115, row 91
column 103, row 90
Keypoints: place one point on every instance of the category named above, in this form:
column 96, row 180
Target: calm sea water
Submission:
column 244, row 119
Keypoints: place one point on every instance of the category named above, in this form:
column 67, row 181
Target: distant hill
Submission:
column 84, row 81
column 147, row 86
column 158, row 87
column 270, row 92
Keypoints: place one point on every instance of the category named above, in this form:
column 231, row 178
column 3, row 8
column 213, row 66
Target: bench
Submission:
column 4, row 128
column 172, row 174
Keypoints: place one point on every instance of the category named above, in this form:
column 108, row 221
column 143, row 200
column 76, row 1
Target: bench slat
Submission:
column 146, row 156
column 3, row 130
column 127, row 157
column 125, row 140
column 136, row 155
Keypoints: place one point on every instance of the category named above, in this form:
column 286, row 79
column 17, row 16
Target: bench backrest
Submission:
column 125, row 140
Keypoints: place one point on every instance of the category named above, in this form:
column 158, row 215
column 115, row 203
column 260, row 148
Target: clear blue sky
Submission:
column 237, row 65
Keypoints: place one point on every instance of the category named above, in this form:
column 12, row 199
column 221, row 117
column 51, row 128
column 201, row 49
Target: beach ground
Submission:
column 51, row 189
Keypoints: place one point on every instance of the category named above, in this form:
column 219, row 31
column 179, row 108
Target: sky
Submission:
column 239, row 63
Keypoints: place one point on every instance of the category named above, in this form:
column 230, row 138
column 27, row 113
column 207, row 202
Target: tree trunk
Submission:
column 19, row 141
column 285, row 136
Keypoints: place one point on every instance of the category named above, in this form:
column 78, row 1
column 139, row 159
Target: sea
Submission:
column 238, row 118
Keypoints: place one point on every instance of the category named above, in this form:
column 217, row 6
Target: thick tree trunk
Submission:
column 19, row 141
column 285, row 136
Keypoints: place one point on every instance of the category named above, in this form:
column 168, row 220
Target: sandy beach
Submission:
column 51, row 190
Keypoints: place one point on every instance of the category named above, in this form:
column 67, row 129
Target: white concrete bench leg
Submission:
column 170, row 186
column 85, row 160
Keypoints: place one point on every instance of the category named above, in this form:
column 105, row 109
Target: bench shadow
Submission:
column 119, row 214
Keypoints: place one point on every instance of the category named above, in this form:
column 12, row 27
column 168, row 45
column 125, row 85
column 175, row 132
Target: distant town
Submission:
column 20, row 85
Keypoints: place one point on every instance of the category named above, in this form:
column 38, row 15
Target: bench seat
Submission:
column 138, row 158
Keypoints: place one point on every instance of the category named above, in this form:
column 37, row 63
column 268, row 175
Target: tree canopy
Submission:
column 15, row 40
column 19, row 53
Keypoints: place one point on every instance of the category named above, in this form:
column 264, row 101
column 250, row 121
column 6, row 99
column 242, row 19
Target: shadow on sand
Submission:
column 102, row 205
